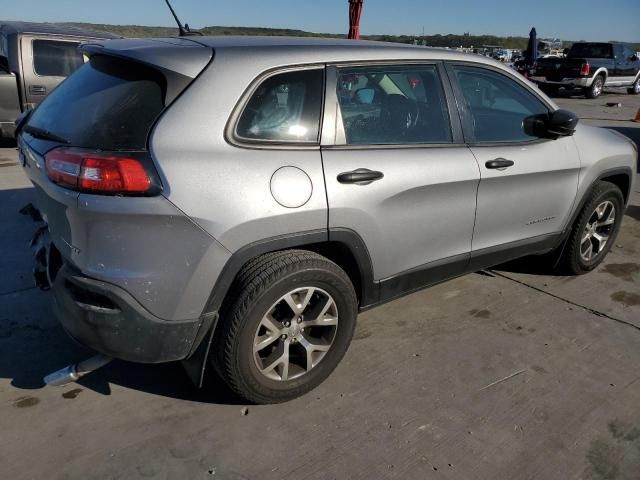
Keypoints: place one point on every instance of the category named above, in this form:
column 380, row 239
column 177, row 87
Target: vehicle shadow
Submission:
column 29, row 353
column 33, row 344
column 544, row 265
column 532, row 265
column 633, row 211
column 7, row 143
column 578, row 93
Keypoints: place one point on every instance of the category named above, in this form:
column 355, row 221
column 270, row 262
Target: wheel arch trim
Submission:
column 585, row 197
column 308, row 239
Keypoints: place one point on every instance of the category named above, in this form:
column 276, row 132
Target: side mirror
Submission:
column 565, row 51
column 560, row 123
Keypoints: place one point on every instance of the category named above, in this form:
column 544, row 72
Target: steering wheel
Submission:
column 401, row 113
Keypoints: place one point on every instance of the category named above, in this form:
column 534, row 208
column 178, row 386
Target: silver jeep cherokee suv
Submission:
column 236, row 202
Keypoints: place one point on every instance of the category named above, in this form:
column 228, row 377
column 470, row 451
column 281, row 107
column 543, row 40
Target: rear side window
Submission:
column 108, row 103
column 285, row 108
column 56, row 59
column 393, row 105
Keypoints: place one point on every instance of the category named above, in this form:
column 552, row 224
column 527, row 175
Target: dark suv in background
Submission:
column 590, row 66
column 34, row 59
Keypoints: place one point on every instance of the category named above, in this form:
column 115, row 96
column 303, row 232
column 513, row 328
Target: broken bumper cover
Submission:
column 107, row 319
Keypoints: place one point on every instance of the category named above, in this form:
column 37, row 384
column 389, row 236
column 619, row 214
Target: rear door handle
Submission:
column 361, row 176
column 37, row 90
column 499, row 164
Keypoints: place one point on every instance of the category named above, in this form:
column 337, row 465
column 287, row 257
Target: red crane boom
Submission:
column 355, row 12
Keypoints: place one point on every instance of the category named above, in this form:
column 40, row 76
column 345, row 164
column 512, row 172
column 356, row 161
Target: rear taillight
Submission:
column 585, row 70
column 117, row 173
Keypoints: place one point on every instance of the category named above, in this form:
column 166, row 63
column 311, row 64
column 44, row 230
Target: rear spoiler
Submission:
column 180, row 60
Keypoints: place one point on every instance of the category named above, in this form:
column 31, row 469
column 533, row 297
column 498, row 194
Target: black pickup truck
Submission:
column 590, row 66
column 34, row 59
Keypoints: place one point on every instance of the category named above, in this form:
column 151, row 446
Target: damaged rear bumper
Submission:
column 107, row 319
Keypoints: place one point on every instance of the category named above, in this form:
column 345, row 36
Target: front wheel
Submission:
column 288, row 327
column 635, row 88
column 594, row 230
column 596, row 88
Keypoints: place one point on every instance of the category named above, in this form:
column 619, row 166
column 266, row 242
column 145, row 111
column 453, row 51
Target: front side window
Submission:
column 56, row 59
column 393, row 105
column 496, row 105
column 285, row 108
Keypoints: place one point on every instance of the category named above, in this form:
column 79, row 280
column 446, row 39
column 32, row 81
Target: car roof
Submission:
column 314, row 49
column 271, row 51
column 309, row 43
column 12, row 28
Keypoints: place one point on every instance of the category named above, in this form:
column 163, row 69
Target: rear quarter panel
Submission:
column 226, row 188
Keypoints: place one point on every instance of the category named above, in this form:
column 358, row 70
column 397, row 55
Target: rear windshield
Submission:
column 108, row 103
column 590, row 50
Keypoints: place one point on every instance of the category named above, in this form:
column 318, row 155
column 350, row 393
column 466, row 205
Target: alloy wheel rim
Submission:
column 636, row 86
column 295, row 334
column 597, row 232
column 598, row 87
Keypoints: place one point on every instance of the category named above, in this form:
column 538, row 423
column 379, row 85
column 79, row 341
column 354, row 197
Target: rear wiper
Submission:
column 44, row 134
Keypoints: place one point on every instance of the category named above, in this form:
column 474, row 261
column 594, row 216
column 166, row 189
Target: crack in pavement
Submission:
column 565, row 300
column 20, row 290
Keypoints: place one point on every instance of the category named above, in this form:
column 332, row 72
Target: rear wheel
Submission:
column 288, row 328
column 596, row 88
column 635, row 88
column 595, row 229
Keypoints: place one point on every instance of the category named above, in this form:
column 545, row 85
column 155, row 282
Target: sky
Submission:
column 564, row 19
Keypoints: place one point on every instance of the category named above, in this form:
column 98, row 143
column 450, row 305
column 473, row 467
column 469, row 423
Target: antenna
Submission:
column 185, row 31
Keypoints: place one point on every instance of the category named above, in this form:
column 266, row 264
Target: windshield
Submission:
column 108, row 104
column 590, row 50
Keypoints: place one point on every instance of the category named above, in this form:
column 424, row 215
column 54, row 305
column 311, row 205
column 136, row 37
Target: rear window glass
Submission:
column 56, row 59
column 108, row 103
column 590, row 50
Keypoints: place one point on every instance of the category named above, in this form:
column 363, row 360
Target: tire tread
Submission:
column 253, row 280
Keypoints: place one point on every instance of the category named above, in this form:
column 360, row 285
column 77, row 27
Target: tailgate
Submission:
column 111, row 103
column 555, row 69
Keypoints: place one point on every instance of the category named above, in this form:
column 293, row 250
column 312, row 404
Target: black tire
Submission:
column 259, row 285
column 571, row 260
column 635, row 88
column 596, row 88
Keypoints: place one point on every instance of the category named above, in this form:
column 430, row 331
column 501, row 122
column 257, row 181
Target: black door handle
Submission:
column 361, row 176
column 37, row 90
column 499, row 164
